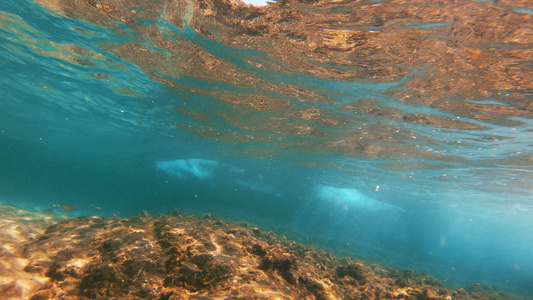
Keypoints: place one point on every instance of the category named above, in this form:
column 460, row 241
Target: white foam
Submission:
column 351, row 197
column 199, row 168
column 256, row 2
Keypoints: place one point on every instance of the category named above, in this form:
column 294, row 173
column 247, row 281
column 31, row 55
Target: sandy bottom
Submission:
column 178, row 256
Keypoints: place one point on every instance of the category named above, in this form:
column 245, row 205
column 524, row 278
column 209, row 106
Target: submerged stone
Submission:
column 125, row 259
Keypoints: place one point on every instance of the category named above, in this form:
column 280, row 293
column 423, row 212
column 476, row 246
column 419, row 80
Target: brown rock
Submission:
column 42, row 295
column 258, row 250
column 428, row 294
column 356, row 271
column 83, row 261
column 11, row 289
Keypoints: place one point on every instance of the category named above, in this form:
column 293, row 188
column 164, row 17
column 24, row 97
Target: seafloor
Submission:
column 178, row 256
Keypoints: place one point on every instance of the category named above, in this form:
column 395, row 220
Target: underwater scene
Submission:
column 293, row 149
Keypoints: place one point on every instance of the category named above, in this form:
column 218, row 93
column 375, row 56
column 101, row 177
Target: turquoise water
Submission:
column 82, row 123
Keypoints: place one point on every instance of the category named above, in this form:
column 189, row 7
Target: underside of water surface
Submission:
column 396, row 132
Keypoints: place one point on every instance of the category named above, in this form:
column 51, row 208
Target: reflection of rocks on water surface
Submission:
column 343, row 56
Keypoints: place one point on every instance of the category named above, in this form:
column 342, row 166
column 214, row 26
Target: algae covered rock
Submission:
column 186, row 257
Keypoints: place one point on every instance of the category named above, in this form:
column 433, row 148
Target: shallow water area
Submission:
column 181, row 256
column 397, row 133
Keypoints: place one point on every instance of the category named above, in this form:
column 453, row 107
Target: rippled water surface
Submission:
column 396, row 131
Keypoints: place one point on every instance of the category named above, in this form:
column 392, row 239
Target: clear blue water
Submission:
column 82, row 125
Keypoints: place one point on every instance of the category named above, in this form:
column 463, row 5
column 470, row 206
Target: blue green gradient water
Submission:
column 79, row 125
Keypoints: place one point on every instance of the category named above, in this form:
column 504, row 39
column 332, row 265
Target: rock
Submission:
column 232, row 248
column 258, row 250
column 313, row 286
column 110, row 246
column 11, row 290
column 267, row 263
column 104, row 274
column 356, row 271
column 428, row 294
column 164, row 257
column 322, row 296
column 42, row 295
column 54, row 272
column 282, row 263
column 348, row 280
